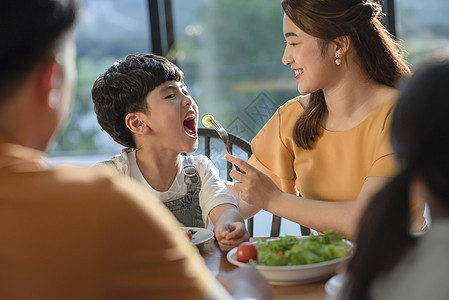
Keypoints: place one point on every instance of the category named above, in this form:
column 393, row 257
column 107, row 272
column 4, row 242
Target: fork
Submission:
column 222, row 133
column 224, row 137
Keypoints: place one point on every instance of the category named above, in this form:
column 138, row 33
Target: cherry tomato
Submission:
column 246, row 251
column 280, row 254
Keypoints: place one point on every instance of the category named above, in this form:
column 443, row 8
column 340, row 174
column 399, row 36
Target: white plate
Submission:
column 298, row 274
column 200, row 236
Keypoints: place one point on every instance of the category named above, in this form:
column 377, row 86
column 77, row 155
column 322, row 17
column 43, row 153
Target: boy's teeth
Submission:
column 297, row 72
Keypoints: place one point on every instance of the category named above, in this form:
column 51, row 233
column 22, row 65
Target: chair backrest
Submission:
column 236, row 143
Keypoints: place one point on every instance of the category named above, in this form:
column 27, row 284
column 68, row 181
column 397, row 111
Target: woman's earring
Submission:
column 337, row 61
column 54, row 99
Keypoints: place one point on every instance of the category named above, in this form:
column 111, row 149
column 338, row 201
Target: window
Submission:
column 231, row 54
column 232, row 64
column 423, row 27
column 107, row 31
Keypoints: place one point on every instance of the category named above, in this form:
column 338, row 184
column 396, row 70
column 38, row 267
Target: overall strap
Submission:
column 190, row 174
column 187, row 209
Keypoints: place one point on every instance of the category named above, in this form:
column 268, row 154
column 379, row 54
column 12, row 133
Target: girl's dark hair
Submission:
column 377, row 50
column 30, row 30
column 123, row 89
column 419, row 135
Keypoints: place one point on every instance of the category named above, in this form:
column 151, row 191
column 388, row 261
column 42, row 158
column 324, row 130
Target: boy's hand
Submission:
column 231, row 235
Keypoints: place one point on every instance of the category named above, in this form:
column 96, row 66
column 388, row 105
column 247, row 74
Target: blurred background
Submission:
column 230, row 52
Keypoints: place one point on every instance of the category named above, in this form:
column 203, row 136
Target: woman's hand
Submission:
column 255, row 187
column 246, row 210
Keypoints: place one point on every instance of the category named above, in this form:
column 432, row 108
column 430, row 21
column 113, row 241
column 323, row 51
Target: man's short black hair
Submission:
column 29, row 31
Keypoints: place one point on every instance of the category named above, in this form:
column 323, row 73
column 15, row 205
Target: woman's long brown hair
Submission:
column 379, row 53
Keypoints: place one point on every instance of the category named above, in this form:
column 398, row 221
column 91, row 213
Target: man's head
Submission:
column 30, row 31
column 124, row 88
column 37, row 59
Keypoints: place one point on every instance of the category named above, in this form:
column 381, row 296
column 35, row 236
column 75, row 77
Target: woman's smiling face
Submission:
column 313, row 69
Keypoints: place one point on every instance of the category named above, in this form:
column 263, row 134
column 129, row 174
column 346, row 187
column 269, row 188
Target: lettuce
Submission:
column 289, row 250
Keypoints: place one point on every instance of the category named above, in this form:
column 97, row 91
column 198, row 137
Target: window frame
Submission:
column 163, row 36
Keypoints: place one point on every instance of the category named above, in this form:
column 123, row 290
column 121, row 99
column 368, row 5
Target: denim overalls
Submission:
column 187, row 208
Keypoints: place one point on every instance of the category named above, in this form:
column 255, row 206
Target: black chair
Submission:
column 235, row 143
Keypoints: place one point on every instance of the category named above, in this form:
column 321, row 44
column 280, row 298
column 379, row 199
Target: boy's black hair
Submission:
column 123, row 89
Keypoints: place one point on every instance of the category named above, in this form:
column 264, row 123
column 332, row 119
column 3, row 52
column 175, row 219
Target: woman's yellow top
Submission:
column 338, row 164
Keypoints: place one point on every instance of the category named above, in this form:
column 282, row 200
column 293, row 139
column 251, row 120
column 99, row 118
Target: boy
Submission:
column 143, row 104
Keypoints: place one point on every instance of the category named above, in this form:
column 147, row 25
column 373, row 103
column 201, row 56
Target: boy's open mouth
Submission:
column 189, row 126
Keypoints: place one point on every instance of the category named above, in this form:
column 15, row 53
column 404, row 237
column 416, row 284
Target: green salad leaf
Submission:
column 289, row 250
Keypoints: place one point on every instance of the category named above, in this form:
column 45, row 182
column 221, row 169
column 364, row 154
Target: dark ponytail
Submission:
column 419, row 137
column 381, row 241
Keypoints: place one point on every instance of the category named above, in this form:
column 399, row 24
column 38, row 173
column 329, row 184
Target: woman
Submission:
column 332, row 144
column 391, row 263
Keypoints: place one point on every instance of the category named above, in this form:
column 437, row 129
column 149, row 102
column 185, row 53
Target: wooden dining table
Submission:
column 217, row 262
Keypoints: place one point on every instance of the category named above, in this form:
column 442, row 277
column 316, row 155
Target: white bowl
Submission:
column 334, row 285
column 298, row 274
